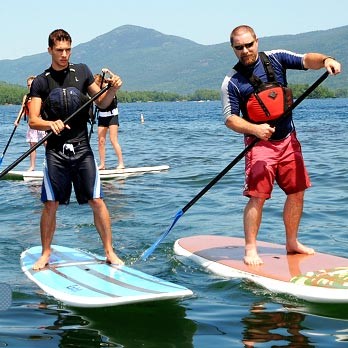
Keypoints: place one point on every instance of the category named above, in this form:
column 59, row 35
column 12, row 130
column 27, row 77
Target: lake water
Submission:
column 191, row 138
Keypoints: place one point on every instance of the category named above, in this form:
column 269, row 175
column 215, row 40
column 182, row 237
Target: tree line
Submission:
column 13, row 94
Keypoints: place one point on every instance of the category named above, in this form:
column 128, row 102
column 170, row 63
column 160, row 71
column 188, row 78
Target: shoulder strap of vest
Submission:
column 253, row 79
column 50, row 81
column 268, row 67
column 53, row 84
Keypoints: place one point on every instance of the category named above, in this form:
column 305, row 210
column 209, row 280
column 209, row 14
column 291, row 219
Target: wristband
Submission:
column 328, row 57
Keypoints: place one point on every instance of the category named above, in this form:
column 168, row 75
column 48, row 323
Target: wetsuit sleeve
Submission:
column 84, row 77
column 38, row 88
column 89, row 76
column 286, row 59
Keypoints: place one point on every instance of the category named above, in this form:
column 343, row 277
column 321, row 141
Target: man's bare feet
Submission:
column 120, row 166
column 41, row 263
column 113, row 259
column 101, row 167
column 298, row 248
column 251, row 257
column 31, row 169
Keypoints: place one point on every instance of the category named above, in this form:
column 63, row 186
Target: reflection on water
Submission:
column 276, row 327
column 291, row 326
column 154, row 324
column 137, row 325
column 164, row 324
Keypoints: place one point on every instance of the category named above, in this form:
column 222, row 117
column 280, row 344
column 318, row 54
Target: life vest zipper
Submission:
column 65, row 100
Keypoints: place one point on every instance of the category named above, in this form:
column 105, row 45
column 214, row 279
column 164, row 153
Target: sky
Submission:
column 25, row 25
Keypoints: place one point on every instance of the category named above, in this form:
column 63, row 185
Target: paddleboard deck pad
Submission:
column 321, row 278
column 105, row 174
column 82, row 279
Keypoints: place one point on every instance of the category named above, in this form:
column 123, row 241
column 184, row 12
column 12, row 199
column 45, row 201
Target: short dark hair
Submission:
column 58, row 35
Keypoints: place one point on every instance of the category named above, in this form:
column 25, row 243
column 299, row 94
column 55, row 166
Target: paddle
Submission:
column 13, row 132
column 181, row 212
column 21, row 158
column 95, row 111
column 8, row 143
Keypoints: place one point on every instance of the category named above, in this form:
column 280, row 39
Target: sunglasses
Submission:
column 241, row 47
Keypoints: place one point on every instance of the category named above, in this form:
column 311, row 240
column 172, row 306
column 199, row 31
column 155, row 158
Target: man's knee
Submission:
column 96, row 203
column 297, row 196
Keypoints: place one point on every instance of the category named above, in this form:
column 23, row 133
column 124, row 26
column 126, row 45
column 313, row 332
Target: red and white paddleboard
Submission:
column 316, row 278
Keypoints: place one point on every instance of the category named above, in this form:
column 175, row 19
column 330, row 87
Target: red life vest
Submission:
column 27, row 104
column 269, row 100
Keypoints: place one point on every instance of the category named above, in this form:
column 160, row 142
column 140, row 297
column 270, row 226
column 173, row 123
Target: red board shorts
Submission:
column 270, row 161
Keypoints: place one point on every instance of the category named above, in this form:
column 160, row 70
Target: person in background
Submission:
column 69, row 157
column 277, row 155
column 33, row 136
column 108, row 120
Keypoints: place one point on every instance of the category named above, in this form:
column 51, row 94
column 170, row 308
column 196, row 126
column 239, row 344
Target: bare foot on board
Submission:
column 113, row 259
column 251, row 257
column 41, row 263
column 298, row 248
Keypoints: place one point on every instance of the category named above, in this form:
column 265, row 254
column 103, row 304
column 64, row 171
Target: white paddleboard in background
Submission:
column 81, row 279
column 317, row 278
column 105, row 174
column 23, row 175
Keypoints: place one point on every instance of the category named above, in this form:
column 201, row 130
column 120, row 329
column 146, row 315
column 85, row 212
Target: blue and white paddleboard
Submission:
column 81, row 279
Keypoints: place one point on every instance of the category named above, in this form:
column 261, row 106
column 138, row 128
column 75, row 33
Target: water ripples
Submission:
column 192, row 140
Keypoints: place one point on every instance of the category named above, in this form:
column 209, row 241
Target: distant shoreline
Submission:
column 12, row 95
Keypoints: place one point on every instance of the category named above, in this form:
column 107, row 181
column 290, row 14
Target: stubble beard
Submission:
column 248, row 59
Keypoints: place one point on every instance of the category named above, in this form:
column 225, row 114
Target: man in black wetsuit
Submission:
column 69, row 158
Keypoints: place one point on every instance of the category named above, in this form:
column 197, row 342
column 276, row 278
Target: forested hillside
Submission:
column 148, row 60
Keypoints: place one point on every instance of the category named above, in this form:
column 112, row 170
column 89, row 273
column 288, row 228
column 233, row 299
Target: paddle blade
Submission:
column 152, row 248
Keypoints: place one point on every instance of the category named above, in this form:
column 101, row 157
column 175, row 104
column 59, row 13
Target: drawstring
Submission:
column 68, row 149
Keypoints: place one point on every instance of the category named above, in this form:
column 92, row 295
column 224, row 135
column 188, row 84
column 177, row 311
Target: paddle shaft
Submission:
column 40, row 142
column 12, row 134
column 8, row 143
column 254, row 142
column 95, row 112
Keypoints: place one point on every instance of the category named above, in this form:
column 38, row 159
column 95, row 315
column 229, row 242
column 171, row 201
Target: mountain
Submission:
column 149, row 60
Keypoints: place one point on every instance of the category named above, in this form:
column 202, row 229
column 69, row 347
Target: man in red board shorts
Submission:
column 277, row 155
